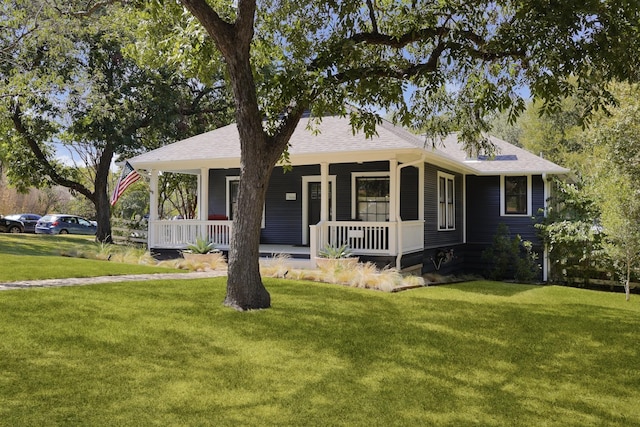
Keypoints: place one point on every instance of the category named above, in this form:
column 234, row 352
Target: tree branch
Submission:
column 372, row 16
column 287, row 127
column 49, row 169
column 218, row 29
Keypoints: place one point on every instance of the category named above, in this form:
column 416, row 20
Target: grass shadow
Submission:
column 504, row 289
column 39, row 244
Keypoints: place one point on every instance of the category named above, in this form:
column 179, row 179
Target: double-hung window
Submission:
column 371, row 197
column 516, row 195
column 446, row 202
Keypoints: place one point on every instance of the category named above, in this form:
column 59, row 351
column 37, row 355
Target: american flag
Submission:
column 129, row 176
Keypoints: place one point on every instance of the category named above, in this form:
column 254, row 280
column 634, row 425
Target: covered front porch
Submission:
column 339, row 188
column 389, row 240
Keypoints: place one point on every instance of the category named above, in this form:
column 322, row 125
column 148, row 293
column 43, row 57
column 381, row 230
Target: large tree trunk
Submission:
column 101, row 196
column 258, row 152
column 103, row 218
column 245, row 290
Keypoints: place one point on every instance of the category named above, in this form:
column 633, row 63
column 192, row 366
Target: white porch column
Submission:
column 394, row 191
column 464, row 208
column 153, row 208
column 421, row 190
column 203, row 194
column 324, row 190
column 395, row 243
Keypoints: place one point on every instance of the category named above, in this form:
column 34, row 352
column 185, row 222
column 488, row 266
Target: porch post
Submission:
column 153, row 209
column 394, row 191
column 203, row 194
column 421, row 191
column 394, row 206
column 324, row 190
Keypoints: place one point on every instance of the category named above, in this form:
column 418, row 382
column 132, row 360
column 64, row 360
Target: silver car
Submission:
column 65, row 224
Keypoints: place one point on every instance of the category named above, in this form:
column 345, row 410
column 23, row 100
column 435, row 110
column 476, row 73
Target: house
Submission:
column 395, row 199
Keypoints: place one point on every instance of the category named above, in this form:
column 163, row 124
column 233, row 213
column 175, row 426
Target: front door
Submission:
column 315, row 205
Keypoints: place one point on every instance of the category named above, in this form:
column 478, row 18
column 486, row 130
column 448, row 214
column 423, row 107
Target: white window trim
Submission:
column 447, row 176
column 502, row 195
column 305, row 202
column 354, row 193
column 228, row 199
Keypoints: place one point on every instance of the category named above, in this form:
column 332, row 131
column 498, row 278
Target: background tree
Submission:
column 615, row 139
column 133, row 202
column 178, row 195
column 620, row 219
column 463, row 59
column 572, row 233
column 70, row 83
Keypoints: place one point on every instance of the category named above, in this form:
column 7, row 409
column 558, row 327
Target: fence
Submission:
column 125, row 231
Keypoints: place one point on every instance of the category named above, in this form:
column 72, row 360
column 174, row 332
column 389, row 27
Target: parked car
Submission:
column 8, row 225
column 28, row 220
column 65, row 224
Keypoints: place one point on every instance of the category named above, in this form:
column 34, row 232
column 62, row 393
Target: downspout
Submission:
column 397, row 207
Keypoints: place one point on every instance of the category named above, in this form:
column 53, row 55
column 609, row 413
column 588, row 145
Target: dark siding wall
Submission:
column 483, row 210
column 409, row 193
column 483, row 217
column 432, row 237
column 218, row 190
column 283, row 218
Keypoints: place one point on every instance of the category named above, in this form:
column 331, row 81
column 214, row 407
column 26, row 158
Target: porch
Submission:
column 381, row 239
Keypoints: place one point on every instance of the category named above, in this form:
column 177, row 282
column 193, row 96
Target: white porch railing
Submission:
column 363, row 238
column 368, row 238
column 412, row 235
column 177, row 234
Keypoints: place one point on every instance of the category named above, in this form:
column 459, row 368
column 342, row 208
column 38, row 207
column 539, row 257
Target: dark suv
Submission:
column 8, row 225
column 29, row 221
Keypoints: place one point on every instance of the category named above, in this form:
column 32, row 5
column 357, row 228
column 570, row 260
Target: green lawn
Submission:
column 32, row 257
column 167, row 353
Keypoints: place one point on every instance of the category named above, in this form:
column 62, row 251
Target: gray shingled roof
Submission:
column 509, row 159
column 336, row 139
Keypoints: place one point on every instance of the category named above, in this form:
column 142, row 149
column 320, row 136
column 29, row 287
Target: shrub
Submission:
column 510, row 258
column 201, row 246
column 335, row 252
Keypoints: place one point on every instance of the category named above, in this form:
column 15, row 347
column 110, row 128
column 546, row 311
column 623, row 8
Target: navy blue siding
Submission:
column 409, row 193
column 433, row 238
column 483, row 218
column 218, row 190
column 283, row 218
column 483, row 210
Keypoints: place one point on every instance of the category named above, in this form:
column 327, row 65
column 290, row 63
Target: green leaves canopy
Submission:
column 439, row 65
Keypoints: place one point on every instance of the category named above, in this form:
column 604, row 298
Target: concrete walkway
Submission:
column 83, row 281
